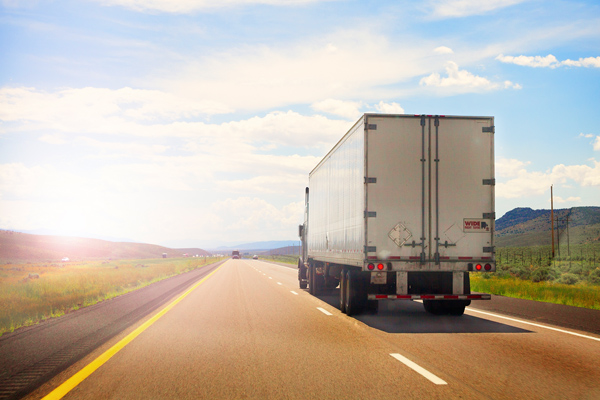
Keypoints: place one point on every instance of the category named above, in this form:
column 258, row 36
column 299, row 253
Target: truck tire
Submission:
column 311, row 279
column 356, row 298
column 434, row 307
column 343, row 291
column 457, row 307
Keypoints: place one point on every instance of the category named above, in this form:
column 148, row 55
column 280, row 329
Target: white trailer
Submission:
column 402, row 207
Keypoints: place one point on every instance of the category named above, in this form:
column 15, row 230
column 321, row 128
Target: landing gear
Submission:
column 302, row 271
column 343, row 291
column 315, row 282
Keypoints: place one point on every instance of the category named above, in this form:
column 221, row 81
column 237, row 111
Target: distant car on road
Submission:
column 255, row 257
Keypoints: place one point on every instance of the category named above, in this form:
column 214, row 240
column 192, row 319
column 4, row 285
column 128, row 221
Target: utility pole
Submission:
column 558, row 235
column 568, row 238
column 552, row 217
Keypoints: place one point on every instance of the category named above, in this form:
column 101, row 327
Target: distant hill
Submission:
column 17, row 246
column 267, row 245
column 528, row 227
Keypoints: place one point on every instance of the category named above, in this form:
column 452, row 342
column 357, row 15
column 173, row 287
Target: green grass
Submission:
column 30, row 293
column 287, row 259
column 578, row 295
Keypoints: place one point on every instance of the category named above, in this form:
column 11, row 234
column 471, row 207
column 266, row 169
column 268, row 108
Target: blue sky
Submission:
column 194, row 122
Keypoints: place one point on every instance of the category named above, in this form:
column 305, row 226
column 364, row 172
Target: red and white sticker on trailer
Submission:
column 476, row 225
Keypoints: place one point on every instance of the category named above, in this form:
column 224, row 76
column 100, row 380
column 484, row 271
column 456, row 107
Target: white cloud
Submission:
column 98, row 109
column 596, row 143
column 443, row 50
column 529, row 61
column 464, row 8
column 306, row 72
column 587, row 62
column 136, row 113
column 526, row 183
column 57, row 138
column 507, row 168
column 352, row 110
column 549, row 61
column 571, row 199
column 187, row 6
column 587, row 135
column 389, row 108
column 346, row 109
column 463, row 81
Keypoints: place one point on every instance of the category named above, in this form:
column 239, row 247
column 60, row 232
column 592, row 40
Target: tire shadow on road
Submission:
column 405, row 316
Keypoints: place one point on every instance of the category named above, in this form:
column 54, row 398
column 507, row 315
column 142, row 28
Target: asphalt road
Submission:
column 248, row 332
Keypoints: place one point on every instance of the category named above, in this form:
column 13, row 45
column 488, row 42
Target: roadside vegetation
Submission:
column 30, row 293
column 287, row 259
column 531, row 273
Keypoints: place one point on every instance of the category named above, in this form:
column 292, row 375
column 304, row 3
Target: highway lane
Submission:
column 249, row 332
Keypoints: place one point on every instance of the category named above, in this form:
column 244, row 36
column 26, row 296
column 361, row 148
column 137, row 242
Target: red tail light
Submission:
column 380, row 267
column 371, row 267
column 478, row 267
column 488, row 267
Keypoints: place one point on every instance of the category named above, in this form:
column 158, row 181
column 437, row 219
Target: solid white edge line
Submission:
column 418, row 369
column 279, row 283
column 324, row 311
column 294, row 292
column 534, row 324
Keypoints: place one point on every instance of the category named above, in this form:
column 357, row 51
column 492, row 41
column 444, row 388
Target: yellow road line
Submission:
column 80, row 376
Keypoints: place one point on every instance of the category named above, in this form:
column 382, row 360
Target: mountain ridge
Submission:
column 524, row 226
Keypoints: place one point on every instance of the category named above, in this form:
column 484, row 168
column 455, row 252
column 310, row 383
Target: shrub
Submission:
column 568, row 279
column 594, row 277
column 540, row 274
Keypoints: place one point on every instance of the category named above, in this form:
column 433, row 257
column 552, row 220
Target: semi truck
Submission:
column 402, row 208
column 235, row 254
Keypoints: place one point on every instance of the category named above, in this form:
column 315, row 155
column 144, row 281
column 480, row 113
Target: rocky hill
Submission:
column 20, row 247
column 528, row 227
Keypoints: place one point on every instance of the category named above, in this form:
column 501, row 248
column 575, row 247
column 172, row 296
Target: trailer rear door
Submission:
column 429, row 190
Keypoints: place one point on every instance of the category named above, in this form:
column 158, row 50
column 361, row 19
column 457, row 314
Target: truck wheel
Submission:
column 355, row 293
column 434, row 307
column 456, row 308
column 343, row 291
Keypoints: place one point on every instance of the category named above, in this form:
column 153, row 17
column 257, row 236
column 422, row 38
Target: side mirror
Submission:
column 301, row 230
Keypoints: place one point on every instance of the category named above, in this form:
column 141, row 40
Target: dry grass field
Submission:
column 32, row 292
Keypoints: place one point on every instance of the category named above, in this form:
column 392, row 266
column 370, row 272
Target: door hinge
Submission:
column 490, row 129
column 370, row 180
column 370, row 249
column 491, row 182
column 370, row 214
column 488, row 249
column 372, row 127
column 489, row 215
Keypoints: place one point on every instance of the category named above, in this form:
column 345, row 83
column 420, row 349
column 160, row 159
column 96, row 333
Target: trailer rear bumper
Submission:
column 482, row 296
